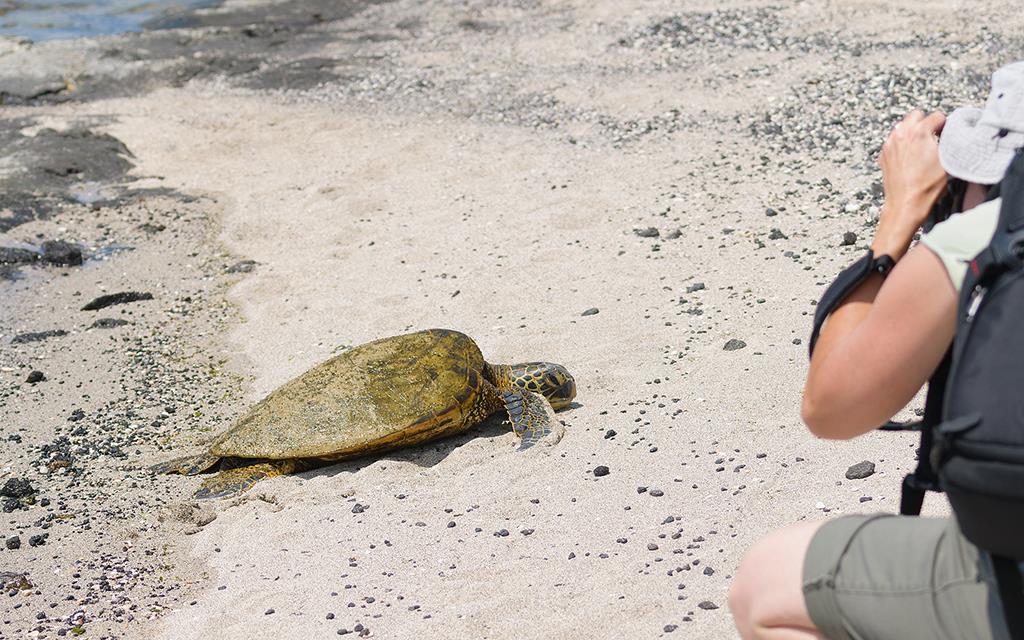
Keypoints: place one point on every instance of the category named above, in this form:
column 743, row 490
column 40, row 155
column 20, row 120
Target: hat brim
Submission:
column 973, row 151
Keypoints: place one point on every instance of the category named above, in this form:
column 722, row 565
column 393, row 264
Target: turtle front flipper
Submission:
column 187, row 466
column 528, row 412
column 240, row 479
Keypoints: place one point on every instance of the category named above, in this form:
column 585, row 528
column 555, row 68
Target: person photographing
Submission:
column 887, row 328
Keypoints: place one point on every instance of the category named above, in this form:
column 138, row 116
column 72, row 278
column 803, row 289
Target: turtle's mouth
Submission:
column 564, row 395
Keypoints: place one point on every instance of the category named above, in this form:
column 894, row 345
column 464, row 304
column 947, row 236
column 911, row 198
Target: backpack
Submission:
column 972, row 431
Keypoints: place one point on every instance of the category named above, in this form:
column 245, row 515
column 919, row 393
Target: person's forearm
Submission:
column 827, row 410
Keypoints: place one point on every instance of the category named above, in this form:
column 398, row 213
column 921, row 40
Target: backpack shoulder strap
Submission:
column 1006, row 249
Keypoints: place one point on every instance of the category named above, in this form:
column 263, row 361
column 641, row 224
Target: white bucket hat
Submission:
column 977, row 145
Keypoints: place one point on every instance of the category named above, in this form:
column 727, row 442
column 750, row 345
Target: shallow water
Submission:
column 41, row 20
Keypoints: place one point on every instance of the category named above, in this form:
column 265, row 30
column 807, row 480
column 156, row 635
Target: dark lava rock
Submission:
column 657, row 493
column 601, row 470
column 609, row 434
column 776, row 234
column 707, row 605
column 358, row 508
column 673, row 234
column 58, row 252
column 669, row 628
column 38, row 540
column 109, row 323
column 17, row 488
column 592, row 311
column 13, row 255
column 696, row 286
column 860, row 470
column 35, row 376
column 242, row 266
column 111, row 299
column 771, row 213
column 647, row 232
column 849, row 238
column 12, row 543
column 733, row 344
column 37, row 336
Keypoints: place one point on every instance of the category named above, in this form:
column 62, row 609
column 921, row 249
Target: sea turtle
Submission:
column 379, row 396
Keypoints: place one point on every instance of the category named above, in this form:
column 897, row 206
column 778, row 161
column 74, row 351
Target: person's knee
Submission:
column 745, row 587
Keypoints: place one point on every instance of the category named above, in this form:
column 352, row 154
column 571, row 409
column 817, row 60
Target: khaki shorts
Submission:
column 874, row 577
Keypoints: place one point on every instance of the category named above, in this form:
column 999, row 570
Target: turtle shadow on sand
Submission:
column 387, row 395
column 424, row 455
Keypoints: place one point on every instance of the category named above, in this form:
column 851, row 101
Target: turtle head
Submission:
column 553, row 381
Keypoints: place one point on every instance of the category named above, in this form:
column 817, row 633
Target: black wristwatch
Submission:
column 882, row 265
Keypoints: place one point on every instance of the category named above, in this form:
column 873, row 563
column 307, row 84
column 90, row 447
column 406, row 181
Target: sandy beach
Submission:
column 652, row 194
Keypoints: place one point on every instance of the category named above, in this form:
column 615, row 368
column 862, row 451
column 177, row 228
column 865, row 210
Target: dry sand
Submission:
column 485, row 168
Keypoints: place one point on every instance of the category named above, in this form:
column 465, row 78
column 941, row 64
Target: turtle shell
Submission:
column 387, row 393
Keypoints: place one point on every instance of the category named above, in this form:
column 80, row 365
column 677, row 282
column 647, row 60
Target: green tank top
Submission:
column 961, row 237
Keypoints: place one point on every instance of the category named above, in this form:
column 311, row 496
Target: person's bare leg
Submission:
column 766, row 598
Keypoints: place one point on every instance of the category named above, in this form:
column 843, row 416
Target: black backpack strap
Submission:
column 924, row 478
column 1006, row 249
column 1011, row 594
column 849, row 279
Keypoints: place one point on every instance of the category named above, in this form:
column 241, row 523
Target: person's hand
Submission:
column 913, row 180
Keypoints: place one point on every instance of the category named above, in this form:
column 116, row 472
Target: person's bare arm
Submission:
column 880, row 346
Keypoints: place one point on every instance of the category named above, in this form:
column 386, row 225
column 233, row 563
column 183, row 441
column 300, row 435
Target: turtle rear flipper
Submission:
column 240, row 479
column 186, row 466
column 528, row 413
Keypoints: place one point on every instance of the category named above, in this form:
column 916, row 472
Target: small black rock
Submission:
column 860, row 470
column 669, row 628
column 37, row 336
column 647, row 232
column 707, row 605
column 657, row 493
column 849, row 238
column 242, row 266
column 109, row 323
column 358, row 508
column 35, row 376
column 38, row 540
column 609, row 434
column 592, row 311
column 17, row 488
column 733, row 344
column 776, row 234
column 601, row 470
column 111, row 299
column 696, row 286
column 58, row 252
column 12, row 543
column 13, row 255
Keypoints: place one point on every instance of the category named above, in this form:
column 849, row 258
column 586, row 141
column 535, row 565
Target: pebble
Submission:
column 733, row 344
column 242, row 266
column 13, row 542
column 592, row 311
column 696, row 286
column 601, row 470
column 657, row 493
column 707, row 605
column 647, row 232
column 669, row 628
column 849, row 238
column 17, row 488
column 860, row 470
column 109, row 323
column 60, row 253
column 123, row 297
column 609, row 434
column 35, row 376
